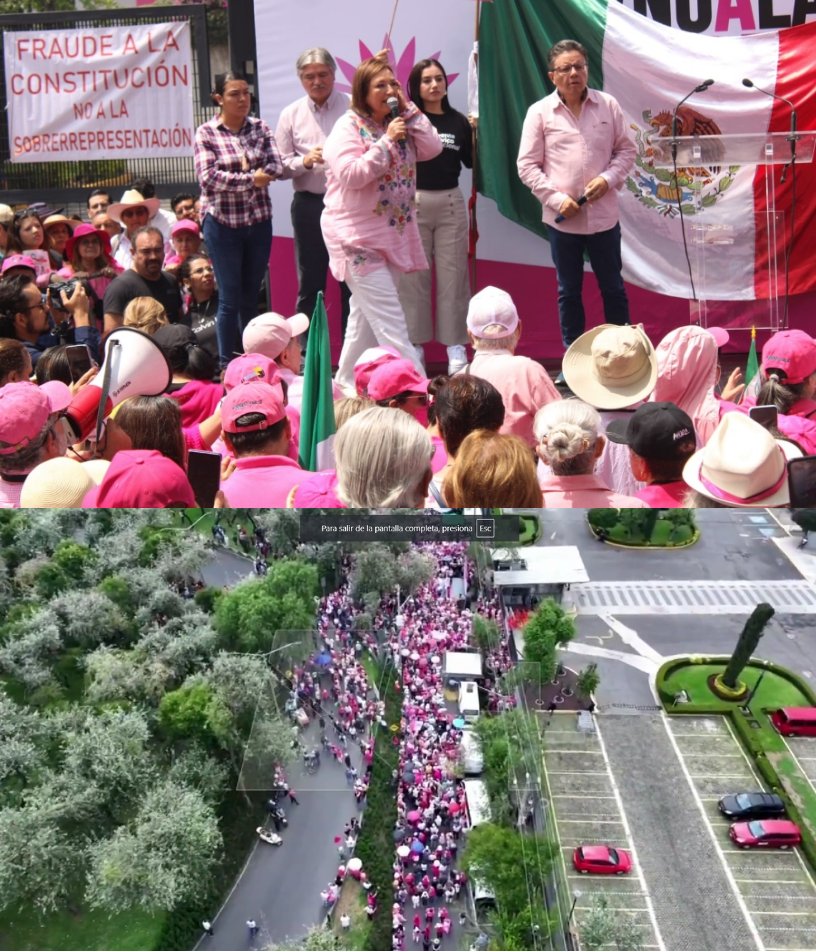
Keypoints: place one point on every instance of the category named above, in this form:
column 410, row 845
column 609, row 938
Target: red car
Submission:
column 779, row 834
column 601, row 859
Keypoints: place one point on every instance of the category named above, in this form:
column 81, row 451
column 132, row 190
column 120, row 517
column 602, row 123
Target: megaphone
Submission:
column 134, row 366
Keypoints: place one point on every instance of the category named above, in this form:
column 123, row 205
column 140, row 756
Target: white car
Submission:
column 469, row 700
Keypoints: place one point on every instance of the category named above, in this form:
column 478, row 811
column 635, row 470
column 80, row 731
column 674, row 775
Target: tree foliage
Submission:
column 546, row 628
column 515, row 866
column 162, row 859
column 749, row 637
column 603, row 928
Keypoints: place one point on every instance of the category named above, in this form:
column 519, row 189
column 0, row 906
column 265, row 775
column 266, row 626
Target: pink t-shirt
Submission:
column 10, row 493
column 261, row 481
column 525, row 387
column 664, row 495
column 584, row 492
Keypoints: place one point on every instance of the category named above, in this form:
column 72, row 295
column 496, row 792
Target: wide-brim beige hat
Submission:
column 60, row 483
column 742, row 465
column 611, row 366
column 131, row 199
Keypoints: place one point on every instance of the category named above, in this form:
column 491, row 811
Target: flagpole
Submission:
column 473, row 237
column 391, row 26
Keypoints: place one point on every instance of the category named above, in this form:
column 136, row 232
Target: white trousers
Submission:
column 376, row 317
column 443, row 227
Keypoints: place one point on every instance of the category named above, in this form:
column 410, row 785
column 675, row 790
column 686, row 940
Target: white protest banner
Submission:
column 113, row 92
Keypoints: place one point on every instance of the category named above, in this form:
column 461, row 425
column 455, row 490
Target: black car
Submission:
column 751, row 806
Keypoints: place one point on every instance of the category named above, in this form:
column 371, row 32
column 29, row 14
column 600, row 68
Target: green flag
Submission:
column 753, row 380
column 317, row 424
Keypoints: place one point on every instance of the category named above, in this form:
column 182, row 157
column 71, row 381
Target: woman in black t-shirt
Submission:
column 442, row 220
column 200, row 299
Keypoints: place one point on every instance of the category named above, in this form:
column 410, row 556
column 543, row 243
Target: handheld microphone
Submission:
column 393, row 104
column 792, row 137
column 581, row 201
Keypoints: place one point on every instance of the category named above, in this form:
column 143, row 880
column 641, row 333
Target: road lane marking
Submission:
column 734, row 888
column 647, row 897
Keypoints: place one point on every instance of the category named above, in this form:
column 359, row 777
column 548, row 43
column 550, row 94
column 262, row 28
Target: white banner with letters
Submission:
column 108, row 92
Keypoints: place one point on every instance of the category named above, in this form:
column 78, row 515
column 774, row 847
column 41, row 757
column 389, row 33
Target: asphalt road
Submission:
column 696, row 911
column 734, row 544
column 280, row 885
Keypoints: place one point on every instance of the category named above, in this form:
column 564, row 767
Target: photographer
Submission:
column 39, row 322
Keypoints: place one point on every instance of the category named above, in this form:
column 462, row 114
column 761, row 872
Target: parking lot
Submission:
column 587, row 809
column 777, row 890
column 804, row 750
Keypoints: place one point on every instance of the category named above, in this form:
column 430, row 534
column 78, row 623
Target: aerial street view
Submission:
column 536, row 729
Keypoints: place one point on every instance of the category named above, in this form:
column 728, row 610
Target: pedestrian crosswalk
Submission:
column 692, row 598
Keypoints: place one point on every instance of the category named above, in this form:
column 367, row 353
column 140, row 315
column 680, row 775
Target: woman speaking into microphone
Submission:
column 369, row 218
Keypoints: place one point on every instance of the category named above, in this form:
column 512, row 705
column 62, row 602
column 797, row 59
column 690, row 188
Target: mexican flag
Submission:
column 649, row 68
column 317, row 426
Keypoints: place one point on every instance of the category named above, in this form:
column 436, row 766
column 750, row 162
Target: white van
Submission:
column 469, row 700
column 483, row 898
column 472, row 759
column 478, row 803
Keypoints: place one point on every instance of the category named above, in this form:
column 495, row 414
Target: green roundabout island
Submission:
column 644, row 528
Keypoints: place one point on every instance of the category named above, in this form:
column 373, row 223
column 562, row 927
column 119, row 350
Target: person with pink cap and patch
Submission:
column 32, row 430
column 494, row 330
column 256, row 432
column 368, row 362
column 257, row 368
column 14, row 265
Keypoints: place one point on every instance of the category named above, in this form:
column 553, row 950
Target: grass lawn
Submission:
column 86, row 930
column 774, row 691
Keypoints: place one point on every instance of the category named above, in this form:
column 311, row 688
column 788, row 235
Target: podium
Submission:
column 697, row 156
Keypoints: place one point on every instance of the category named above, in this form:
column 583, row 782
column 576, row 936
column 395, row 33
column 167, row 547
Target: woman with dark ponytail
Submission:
column 193, row 370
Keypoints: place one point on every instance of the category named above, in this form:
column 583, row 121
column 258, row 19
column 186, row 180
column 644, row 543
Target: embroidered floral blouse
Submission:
column 369, row 219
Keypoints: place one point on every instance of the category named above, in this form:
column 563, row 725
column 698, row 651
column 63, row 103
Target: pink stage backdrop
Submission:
column 508, row 255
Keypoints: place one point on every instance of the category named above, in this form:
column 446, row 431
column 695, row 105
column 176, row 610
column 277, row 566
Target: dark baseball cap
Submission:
column 655, row 431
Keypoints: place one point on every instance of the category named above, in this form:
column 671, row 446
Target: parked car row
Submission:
column 761, row 820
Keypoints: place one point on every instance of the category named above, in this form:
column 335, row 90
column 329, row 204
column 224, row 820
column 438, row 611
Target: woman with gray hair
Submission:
column 569, row 440
column 383, row 460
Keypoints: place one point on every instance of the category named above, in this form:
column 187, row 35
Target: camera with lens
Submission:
column 68, row 287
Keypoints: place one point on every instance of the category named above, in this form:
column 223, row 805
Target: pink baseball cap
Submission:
column 141, row 479
column 270, row 333
column 720, row 335
column 251, row 368
column 368, row 362
column 492, row 314
column 396, row 376
column 185, row 224
column 25, row 409
column 252, row 398
column 793, row 352
column 18, row 261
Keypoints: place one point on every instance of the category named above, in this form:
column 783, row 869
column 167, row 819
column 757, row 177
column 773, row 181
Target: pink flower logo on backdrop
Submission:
column 402, row 66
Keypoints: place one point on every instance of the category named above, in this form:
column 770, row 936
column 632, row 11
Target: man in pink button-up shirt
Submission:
column 575, row 154
column 302, row 130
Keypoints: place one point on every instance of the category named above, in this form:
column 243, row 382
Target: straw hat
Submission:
column 52, row 220
column 60, row 483
column 742, row 465
column 131, row 199
column 611, row 367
